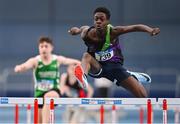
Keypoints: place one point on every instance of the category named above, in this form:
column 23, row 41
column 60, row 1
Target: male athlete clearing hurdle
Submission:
column 46, row 74
column 104, row 57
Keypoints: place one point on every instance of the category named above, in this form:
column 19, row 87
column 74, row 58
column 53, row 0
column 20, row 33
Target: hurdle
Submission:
column 169, row 103
column 140, row 104
column 15, row 101
column 101, row 102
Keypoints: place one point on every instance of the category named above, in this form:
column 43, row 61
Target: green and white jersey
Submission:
column 46, row 76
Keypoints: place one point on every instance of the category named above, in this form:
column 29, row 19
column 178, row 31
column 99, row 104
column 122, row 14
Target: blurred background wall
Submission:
column 22, row 22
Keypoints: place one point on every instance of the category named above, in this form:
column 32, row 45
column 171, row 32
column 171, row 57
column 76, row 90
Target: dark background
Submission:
column 22, row 22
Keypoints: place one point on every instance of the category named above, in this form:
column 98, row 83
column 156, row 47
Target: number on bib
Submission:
column 45, row 85
column 104, row 55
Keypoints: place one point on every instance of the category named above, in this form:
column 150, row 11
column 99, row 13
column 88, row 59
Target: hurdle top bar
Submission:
column 16, row 100
column 100, row 101
column 93, row 101
column 171, row 101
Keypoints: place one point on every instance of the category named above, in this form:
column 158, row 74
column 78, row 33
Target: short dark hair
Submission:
column 45, row 39
column 103, row 10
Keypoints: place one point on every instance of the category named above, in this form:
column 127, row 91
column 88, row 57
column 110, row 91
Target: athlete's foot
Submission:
column 141, row 77
column 81, row 77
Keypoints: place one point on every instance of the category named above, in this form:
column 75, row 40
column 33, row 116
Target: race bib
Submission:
column 44, row 85
column 104, row 55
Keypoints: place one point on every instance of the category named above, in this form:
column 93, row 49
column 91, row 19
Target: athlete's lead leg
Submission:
column 88, row 64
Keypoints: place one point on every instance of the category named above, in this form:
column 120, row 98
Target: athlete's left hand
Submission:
column 74, row 31
column 155, row 31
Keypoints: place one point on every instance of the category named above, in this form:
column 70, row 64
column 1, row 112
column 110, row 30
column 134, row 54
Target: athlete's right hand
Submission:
column 155, row 31
column 17, row 68
column 74, row 31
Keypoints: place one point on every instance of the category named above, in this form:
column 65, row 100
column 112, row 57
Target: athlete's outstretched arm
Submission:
column 30, row 63
column 118, row 30
column 76, row 30
column 67, row 61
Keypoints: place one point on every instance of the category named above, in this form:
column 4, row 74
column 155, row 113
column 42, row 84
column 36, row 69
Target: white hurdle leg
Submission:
column 113, row 114
column 176, row 117
column 28, row 114
column 164, row 111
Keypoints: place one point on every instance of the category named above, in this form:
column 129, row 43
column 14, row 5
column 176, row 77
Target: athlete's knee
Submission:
column 143, row 93
column 87, row 56
column 51, row 94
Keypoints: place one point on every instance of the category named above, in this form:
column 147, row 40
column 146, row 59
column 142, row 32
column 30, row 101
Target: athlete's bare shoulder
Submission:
column 88, row 33
column 116, row 30
column 35, row 60
column 84, row 30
